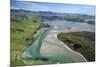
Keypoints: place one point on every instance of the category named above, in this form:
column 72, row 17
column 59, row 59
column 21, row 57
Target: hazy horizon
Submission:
column 54, row 7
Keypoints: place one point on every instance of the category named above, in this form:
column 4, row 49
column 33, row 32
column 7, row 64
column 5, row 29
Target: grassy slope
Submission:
column 85, row 39
column 21, row 36
column 22, row 29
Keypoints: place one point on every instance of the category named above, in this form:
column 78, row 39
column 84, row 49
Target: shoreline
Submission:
column 52, row 37
column 77, row 45
column 51, row 42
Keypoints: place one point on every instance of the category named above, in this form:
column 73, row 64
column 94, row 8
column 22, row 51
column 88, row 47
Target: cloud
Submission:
column 28, row 6
column 60, row 8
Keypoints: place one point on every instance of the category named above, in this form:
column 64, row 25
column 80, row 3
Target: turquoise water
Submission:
column 33, row 51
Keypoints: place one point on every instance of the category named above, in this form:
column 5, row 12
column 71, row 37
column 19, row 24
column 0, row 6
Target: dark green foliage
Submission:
column 82, row 42
column 76, row 46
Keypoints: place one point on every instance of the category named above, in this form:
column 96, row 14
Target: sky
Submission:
column 53, row 7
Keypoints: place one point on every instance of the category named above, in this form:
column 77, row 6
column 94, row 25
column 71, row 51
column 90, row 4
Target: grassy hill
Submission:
column 22, row 29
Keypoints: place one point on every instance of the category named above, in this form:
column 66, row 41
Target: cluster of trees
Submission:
column 69, row 42
column 82, row 42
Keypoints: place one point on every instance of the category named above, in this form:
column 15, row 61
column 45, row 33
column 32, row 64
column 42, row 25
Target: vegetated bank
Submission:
column 82, row 42
column 22, row 29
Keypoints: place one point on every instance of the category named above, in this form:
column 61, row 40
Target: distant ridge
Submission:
column 50, row 12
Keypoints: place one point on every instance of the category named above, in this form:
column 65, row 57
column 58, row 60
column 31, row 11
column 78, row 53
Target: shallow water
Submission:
column 65, row 24
column 34, row 50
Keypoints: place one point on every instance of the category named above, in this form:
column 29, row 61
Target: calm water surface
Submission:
column 65, row 24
